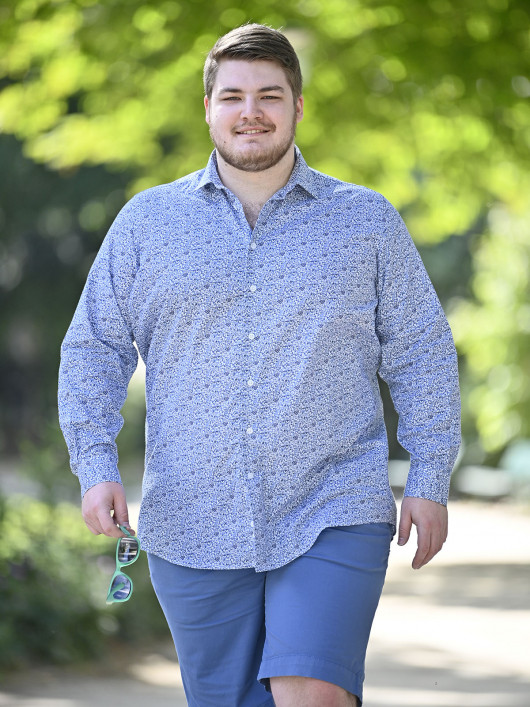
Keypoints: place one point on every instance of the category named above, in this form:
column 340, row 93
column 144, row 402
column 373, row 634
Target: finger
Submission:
column 121, row 512
column 431, row 538
column 430, row 542
column 92, row 528
column 436, row 545
column 100, row 522
column 108, row 525
column 92, row 523
column 103, row 506
column 405, row 525
column 423, row 552
column 95, row 519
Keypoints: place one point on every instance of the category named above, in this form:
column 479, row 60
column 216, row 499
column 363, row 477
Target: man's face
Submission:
column 252, row 114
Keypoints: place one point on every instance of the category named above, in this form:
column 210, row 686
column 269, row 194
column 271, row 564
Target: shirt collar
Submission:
column 210, row 175
column 301, row 175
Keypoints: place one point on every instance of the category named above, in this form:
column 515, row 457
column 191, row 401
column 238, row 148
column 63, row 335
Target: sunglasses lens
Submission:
column 121, row 587
column 127, row 550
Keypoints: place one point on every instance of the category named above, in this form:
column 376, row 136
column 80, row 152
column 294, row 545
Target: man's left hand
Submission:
column 430, row 519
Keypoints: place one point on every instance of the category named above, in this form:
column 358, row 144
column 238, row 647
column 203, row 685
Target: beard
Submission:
column 258, row 159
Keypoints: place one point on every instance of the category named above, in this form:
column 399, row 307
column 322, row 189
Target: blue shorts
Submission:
column 235, row 629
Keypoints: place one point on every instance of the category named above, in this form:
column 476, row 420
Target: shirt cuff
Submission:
column 98, row 464
column 429, row 480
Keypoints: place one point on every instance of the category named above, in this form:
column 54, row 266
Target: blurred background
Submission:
column 426, row 101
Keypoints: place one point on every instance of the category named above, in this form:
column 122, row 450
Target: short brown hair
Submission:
column 252, row 42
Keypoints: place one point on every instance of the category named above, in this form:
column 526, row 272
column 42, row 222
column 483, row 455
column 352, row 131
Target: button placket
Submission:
column 251, row 475
column 252, row 288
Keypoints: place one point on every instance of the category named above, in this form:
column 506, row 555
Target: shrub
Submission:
column 53, row 581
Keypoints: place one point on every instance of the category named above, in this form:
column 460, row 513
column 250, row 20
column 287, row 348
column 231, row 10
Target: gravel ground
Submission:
column 454, row 634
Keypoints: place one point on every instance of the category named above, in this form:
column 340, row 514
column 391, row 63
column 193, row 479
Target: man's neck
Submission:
column 256, row 187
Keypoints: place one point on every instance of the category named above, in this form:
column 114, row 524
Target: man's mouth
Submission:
column 252, row 131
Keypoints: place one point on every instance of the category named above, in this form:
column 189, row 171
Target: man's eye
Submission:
column 231, row 98
column 271, row 98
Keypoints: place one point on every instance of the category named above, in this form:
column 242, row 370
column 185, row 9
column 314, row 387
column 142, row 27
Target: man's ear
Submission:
column 206, row 108
column 299, row 109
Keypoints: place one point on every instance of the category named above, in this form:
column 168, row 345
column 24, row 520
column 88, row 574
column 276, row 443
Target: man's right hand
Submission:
column 104, row 507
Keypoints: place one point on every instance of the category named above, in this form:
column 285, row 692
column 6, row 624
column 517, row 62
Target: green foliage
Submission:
column 493, row 331
column 51, row 225
column 424, row 100
column 46, row 463
column 53, row 581
column 46, row 563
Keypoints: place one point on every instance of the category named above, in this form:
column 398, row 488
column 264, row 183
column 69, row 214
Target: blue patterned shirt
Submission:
column 262, row 350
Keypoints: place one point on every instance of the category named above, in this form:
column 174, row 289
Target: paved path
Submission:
column 454, row 634
column 457, row 632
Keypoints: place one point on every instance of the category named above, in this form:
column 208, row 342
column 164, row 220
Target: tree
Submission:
column 424, row 100
column 493, row 331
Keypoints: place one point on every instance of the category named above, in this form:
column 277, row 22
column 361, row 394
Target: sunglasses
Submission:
column 127, row 552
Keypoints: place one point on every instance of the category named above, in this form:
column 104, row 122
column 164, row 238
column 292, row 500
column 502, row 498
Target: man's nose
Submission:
column 251, row 108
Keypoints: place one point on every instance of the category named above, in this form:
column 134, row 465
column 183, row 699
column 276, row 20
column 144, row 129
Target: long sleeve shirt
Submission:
column 262, row 349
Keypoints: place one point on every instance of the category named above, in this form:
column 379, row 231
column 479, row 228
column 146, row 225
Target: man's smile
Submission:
column 253, row 130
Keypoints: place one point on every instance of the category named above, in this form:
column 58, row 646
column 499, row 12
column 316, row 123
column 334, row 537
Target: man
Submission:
column 264, row 298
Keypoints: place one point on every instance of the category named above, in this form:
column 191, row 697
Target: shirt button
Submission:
column 249, row 430
column 251, row 523
column 253, row 245
column 252, row 336
column 250, row 382
column 253, row 288
column 250, row 475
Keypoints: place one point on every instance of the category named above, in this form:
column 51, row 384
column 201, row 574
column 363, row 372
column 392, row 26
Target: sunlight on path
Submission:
column 453, row 634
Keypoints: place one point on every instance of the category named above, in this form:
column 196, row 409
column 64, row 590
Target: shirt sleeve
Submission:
column 418, row 361
column 98, row 358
